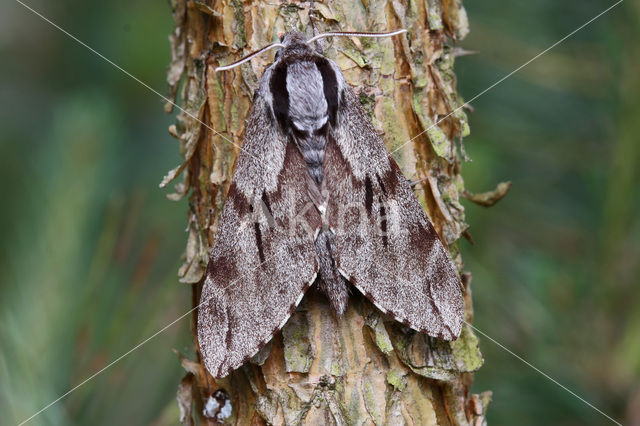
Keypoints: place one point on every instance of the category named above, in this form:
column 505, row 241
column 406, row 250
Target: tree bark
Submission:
column 362, row 368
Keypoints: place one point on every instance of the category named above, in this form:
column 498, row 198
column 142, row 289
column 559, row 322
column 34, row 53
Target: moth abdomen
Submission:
column 312, row 149
column 330, row 280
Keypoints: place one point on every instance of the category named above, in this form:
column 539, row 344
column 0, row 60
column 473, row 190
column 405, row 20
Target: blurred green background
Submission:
column 90, row 246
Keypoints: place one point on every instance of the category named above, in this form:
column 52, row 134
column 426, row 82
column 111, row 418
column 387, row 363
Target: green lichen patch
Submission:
column 397, row 379
column 466, row 351
column 369, row 393
column 439, row 141
column 298, row 354
column 355, row 55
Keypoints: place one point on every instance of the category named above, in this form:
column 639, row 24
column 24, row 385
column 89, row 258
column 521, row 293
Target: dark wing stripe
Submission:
column 256, row 228
column 228, row 337
column 383, row 223
column 267, row 205
column 278, row 87
column 368, row 195
column 265, row 200
column 384, row 191
column 390, row 179
column 240, row 202
column 330, row 86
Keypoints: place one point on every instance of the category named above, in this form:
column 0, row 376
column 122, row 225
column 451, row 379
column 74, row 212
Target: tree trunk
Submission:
column 362, row 368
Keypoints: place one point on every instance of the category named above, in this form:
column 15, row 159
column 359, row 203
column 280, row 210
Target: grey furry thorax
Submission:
column 303, row 91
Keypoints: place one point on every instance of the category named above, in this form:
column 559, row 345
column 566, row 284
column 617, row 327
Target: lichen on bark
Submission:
column 361, row 368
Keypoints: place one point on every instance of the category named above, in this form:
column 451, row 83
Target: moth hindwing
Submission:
column 316, row 197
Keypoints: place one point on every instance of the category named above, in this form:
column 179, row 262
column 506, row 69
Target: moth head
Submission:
column 294, row 44
column 294, row 39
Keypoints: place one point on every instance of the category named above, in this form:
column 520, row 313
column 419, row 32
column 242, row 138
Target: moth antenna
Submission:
column 355, row 34
column 249, row 57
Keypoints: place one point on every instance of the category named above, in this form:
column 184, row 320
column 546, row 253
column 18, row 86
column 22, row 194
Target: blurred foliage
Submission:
column 555, row 263
column 91, row 247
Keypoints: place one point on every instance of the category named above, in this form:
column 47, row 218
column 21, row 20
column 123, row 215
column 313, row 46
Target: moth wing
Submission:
column 263, row 258
column 384, row 242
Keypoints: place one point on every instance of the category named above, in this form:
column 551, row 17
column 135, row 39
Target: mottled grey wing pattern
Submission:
column 384, row 243
column 263, row 258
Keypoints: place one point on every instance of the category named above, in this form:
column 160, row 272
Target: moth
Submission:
column 316, row 199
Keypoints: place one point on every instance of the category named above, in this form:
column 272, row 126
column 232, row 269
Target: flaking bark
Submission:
column 361, row 368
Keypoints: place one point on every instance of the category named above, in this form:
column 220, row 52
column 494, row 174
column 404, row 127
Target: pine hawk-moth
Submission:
column 316, row 198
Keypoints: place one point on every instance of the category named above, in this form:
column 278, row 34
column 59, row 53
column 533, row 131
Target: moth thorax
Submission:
column 307, row 103
column 308, row 113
